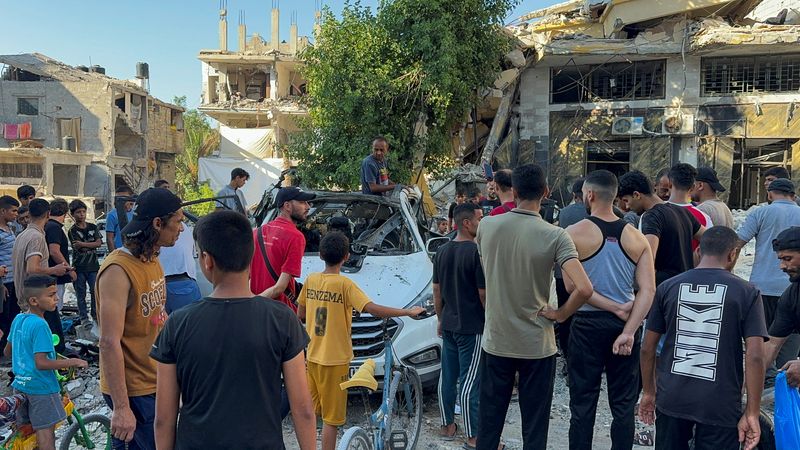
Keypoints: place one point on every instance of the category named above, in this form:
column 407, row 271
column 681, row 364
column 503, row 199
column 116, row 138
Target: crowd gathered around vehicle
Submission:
column 643, row 273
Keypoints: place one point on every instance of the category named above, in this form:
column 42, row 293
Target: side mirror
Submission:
column 433, row 244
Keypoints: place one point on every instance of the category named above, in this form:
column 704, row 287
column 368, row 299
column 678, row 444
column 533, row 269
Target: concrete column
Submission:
column 293, row 39
column 82, row 181
column 273, row 83
column 275, row 27
column 48, row 181
column 242, row 38
column 223, row 30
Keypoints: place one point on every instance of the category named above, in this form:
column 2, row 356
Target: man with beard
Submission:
column 787, row 314
column 374, row 171
column 279, row 249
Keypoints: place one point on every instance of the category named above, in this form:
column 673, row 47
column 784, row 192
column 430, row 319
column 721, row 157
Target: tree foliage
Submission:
column 200, row 140
column 378, row 74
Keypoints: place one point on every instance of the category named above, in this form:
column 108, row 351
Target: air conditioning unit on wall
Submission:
column 627, row 126
column 678, row 124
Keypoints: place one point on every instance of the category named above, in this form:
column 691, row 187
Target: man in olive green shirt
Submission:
column 518, row 250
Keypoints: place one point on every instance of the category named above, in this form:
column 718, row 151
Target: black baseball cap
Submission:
column 288, row 194
column 152, row 203
column 709, row 175
column 783, row 185
column 788, row 239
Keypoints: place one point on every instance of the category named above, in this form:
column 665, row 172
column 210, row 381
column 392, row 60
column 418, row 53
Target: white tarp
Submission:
column 246, row 143
column 263, row 174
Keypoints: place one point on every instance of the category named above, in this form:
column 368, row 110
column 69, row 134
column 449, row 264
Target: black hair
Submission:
column 39, row 208
column 380, row 138
column 160, row 183
column 25, row 191
column 529, row 181
column 682, row 175
column 226, row 236
column 605, row 181
column 144, row 243
column 662, row 173
column 7, row 202
column 76, row 205
column 777, row 172
column 334, row 248
column 239, row 172
column 718, row 241
column 124, row 189
column 32, row 286
column 474, row 192
column 22, row 210
column 464, row 211
column 634, row 181
column 502, row 179
column 577, row 186
column 58, row 207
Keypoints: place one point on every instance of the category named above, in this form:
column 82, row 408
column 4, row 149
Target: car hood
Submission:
column 392, row 281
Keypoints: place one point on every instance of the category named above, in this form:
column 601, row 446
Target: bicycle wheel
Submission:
column 405, row 406
column 98, row 432
column 355, row 438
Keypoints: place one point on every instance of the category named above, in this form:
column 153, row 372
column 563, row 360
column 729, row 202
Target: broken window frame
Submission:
column 637, row 80
column 758, row 74
column 28, row 106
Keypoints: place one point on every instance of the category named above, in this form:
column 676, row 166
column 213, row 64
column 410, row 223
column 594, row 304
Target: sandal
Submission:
column 449, row 437
column 644, row 438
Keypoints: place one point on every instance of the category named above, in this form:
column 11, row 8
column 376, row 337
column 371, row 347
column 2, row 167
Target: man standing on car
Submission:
column 459, row 295
column 131, row 293
column 374, row 171
column 283, row 245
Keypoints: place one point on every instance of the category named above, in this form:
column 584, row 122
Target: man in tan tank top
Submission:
column 131, row 293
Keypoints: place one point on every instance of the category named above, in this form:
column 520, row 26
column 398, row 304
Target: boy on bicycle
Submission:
column 326, row 305
column 34, row 360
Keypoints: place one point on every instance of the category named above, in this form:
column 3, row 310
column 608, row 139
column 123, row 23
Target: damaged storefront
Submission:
column 633, row 85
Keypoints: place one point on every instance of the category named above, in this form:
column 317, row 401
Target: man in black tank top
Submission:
column 605, row 333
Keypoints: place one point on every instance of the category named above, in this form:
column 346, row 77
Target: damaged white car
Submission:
column 389, row 263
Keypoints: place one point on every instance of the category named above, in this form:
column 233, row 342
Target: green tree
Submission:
column 200, row 140
column 380, row 74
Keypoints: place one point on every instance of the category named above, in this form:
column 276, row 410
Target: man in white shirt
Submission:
column 180, row 272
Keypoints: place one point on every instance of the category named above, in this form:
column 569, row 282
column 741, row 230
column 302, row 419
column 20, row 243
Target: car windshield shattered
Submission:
column 374, row 228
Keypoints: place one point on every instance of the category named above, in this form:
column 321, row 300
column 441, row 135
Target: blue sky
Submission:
column 167, row 34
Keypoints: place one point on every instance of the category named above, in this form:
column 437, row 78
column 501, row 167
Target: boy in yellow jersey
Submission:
column 326, row 305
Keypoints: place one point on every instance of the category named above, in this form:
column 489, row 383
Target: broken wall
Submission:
column 89, row 101
column 165, row 131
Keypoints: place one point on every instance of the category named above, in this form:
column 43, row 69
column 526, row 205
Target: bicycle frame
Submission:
column 377, row 420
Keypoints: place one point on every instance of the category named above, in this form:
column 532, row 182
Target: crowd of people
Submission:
column 643, row 275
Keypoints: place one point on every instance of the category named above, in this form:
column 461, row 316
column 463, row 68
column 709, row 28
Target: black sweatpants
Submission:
column 535, row 398
column 563, row 327
column 591, row 341
column 673, row 433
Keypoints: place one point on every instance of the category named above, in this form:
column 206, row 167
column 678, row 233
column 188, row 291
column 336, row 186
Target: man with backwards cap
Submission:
column 765, row 223
column 787, row 314
column 131, row 293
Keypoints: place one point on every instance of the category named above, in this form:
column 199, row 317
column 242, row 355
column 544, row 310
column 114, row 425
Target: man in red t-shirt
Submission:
column 284, row 245
column 682, row 177
column 502, row 181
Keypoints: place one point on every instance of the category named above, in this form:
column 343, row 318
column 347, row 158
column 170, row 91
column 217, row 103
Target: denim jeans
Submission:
column 461, row 359
column 144, row 410
column 181, row 293
column 84, row 279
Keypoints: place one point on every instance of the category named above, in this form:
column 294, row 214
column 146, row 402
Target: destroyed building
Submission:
column 75, row 132
column 256, row 94
column 642, row 84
